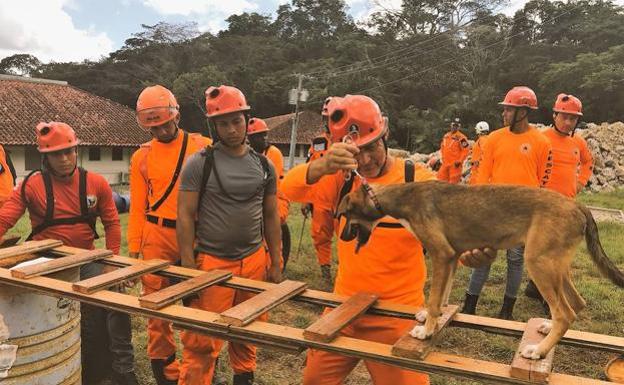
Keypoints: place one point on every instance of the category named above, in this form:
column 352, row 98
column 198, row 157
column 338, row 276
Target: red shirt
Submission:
column 66, row 204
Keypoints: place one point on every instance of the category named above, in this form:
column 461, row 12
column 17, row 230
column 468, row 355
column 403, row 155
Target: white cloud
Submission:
column 45, row 30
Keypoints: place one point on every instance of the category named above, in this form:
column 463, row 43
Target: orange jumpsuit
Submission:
column 6, row 179
column 454, row 150
column 516, row 159
column 151, row 171
column 572, row 162
column 390, row 265
column 276, row 157
column 322, row 229
column 477, row 153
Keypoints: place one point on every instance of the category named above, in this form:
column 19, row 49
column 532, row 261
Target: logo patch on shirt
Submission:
column 464, row 143
column 525, row 148
column 91, row 201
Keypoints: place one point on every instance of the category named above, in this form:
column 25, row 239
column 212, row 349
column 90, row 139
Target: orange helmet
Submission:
column 568, row 104
column 357, row 117
column 156, row 105
column 520, row 96
column 224, row 100
column 55, row 136
column 257, row 126
column 327, row 103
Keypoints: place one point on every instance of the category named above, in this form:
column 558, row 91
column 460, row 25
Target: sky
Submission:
column 74, row 30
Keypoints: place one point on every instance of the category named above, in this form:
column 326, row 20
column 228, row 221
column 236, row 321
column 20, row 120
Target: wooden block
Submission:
column 410, row 347
column 326, row 328
column 532, row 370
column 244, row 313
column 12, row 261
column 173, row 293
column 60, row 263
column 9, row 241
column 29, row 247
column 106, row 280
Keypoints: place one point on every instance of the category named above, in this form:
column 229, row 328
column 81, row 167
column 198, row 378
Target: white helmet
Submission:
column 482, row 128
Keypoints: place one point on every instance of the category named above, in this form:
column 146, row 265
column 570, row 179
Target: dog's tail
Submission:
column 605, row 265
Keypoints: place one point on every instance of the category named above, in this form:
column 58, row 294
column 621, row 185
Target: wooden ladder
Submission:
column 241, row 323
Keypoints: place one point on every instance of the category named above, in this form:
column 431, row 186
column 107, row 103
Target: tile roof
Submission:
column 310, row 124
column 98, row 121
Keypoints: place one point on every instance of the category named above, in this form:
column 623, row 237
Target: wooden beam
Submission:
column 30, row 247
column 12, row 261
column 173, row 293
column 576, row 338
column 60, row 263
column 435, row 363
column 411, row 347
column 536, row 371
column 246, row 312
column 9, row 241
column 112, row 278
column 326, row 328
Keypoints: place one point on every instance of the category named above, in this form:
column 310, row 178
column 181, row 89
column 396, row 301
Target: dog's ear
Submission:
column 344, row 206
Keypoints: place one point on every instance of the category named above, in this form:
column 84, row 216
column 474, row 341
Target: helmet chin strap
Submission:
column 515, row 119
column 571, row 133
column 383, row 166
column 47, row 166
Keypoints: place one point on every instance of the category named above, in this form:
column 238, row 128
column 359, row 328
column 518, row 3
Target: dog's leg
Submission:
column 549, row 276
column 574, row 298
column 449, row 284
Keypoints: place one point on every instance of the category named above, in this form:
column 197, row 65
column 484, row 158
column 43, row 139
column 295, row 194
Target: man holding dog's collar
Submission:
column 517, row 154
column 392, row 264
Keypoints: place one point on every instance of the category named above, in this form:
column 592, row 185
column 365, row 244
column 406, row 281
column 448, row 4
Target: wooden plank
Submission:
column 576, row 338
column 12, row 261
column 410, row 347
column 326, row 328
column 112, row 278
column 435, row 363
column 173, row 293
column 244, row 313
column 536, row 371
column 60, row 263
column 9, row 241
column 30, row 247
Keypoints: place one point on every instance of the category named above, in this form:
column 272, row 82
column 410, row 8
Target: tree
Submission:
column 20, row 64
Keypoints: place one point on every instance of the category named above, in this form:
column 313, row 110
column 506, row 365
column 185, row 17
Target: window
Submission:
column 94, row 153
column 117, row 153
column 33, row 158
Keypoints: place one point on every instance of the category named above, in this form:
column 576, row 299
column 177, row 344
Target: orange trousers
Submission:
column 322, row 232
column 325, row 368
column 159, row 243
column 201, row 351
column 449, row 173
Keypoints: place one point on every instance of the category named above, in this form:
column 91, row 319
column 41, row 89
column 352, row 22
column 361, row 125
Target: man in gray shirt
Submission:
column 227, row 209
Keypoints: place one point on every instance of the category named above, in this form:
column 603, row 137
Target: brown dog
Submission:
column 449, row 219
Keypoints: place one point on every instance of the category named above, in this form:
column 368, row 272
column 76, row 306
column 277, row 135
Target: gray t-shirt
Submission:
column 229, row 223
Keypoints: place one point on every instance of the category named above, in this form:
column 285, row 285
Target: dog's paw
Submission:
column 545, row 327
column 421, row 316
column 530, row 352
column 420, row 332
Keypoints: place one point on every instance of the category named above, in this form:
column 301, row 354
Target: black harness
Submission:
column 409, row 177
column 49, row 220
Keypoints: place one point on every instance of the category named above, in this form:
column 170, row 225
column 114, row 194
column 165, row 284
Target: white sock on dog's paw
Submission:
column 420, row 332
column 421, row 316
column 545, row 327
column 530, row 352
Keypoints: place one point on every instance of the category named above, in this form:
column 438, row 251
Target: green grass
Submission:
column 610, row 200
column 603, row 314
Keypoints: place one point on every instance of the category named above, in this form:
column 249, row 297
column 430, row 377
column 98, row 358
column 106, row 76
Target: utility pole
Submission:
column 297, row 94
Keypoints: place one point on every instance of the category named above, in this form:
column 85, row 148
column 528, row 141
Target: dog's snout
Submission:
column 349, row 232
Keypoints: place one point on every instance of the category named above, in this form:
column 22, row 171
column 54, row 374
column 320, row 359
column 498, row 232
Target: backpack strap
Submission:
column 175, row 176
column 409, row 170
column 9, row 162
column 23, row 187
column 208, row 155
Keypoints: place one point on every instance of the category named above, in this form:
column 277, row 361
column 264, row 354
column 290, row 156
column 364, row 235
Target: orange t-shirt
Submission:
column 477, row 153
column 454, row 147
column 276, row 157
column 151, row 169
column 587, row 160
column 516, row 159
column 6, row 178
column 392, row 263
column 566, row 162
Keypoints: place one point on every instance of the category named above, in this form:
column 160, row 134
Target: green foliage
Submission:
column 425, row 62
